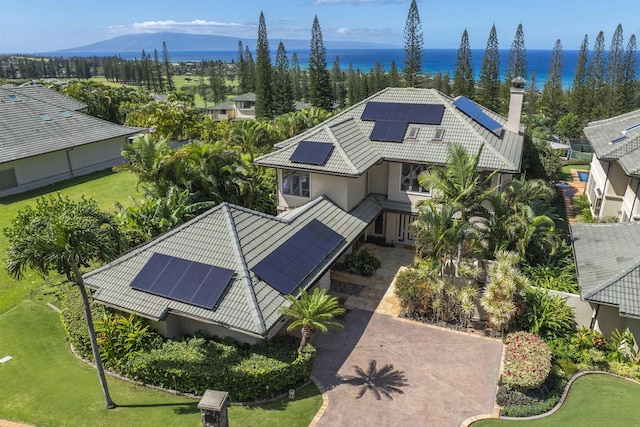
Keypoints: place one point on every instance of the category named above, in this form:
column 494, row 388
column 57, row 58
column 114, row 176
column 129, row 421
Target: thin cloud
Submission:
column 196, row 26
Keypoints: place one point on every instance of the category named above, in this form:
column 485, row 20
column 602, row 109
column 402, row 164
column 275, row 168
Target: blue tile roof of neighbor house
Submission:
column 356, row 151
column 233, row 238
column 32, row 123
column 607, row 260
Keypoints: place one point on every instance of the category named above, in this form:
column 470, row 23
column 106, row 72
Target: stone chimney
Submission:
column 515, row 104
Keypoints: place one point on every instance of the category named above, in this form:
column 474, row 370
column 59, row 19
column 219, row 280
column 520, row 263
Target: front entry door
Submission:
column 405, row 236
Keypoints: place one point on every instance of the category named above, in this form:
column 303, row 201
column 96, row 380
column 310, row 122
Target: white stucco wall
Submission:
column 343, row 191
column 608, row 320
column 175, row 326
column 46, row 169
column 379, row 178
column 630, row 200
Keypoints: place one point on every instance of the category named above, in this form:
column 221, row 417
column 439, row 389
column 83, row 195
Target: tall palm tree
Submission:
column 64, row 236
column 311, row 312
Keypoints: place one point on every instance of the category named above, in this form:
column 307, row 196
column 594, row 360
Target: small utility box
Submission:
column 213, row 407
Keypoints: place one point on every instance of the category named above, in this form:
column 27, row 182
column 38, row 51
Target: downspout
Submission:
column 594, row 317
column 633, row 206
column 69, row 162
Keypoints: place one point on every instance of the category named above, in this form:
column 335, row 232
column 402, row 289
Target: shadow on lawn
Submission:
column 182, row 408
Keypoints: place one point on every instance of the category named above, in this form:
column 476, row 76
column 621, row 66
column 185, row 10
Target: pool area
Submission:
column 583, row 176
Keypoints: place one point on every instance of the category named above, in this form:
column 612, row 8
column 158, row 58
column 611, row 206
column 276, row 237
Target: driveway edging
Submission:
column 325, row 402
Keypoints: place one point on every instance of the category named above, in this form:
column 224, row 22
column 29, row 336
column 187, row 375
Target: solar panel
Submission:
column 314, row 153
column 388, row 131
column 291, row 262
column 620, row 138
column 475, row 112
column 426, row 114
column 183, row 280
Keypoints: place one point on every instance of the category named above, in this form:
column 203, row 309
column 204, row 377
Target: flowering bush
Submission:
column 527, row 361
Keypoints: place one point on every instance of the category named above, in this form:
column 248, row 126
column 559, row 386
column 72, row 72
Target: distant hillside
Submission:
column 181, row 42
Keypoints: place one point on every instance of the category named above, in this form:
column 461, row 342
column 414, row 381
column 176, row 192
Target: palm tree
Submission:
column 311, row 312
column 150, row 160
column 64, row 236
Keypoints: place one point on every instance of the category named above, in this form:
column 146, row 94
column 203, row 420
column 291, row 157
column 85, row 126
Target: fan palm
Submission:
column 64, row 236
column 312, row 311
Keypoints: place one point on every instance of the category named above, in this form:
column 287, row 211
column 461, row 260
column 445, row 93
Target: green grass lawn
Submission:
column 45, row 385
column 566, row 170
column 593, row 401
column 105, row 187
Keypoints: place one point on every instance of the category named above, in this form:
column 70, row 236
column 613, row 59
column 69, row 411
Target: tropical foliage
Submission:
column 310, row 312
column 64, row 236
column 547, row 315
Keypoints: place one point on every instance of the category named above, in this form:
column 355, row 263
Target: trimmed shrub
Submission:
column 195, row 364
column 74, row 320
column 526, row 403
column 527, row 361
column 363, row 262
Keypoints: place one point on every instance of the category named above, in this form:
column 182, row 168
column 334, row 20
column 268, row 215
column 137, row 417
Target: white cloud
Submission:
column 197, row 26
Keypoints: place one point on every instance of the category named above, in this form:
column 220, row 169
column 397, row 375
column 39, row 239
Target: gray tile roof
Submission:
column 225, row 105
column 24, row 133
column 49, row 96
column 504, row 152
column 608, row 264
column 602, row 133
column 249, row 96
column 235, row 238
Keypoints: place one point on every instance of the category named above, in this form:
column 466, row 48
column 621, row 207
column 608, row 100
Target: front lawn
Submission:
column 45, row 385
column 593, row 401
column 105, row 187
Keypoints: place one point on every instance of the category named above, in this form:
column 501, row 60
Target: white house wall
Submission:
column 175, row 326
column 344, row 192
column 49, row 168
column 379, row 178
column 608, row 320
column 630, row 200
column 617, row 181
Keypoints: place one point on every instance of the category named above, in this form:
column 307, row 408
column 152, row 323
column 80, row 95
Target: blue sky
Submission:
column 41, row 25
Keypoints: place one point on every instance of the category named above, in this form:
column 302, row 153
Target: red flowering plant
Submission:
column 527, row 361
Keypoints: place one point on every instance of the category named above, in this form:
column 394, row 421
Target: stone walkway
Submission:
column 573, row 188
column 385, row 371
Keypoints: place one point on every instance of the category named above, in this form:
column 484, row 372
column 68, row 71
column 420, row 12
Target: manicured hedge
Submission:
column 196, row 364
column 74, row 320
column 527, row 361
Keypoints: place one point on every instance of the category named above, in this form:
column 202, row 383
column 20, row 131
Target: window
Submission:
column 295, row 183
column 409, row 178
column 45, row 117
column 413, row 133
column 14, row 98
column 65, row 114
column 439, row 134
column 247, row 105
column 8, row 179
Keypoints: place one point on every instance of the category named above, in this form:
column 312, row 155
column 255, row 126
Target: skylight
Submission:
column 44, row 117
column 439, row 134
column 413, row 133
column 65, row 114
column 620, row 138
column 14, row 97
column 637, row 125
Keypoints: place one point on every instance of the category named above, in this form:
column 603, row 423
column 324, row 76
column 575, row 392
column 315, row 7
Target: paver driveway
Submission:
column 382, row 371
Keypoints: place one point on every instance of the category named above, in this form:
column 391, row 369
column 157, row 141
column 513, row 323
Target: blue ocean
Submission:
column 364, row 59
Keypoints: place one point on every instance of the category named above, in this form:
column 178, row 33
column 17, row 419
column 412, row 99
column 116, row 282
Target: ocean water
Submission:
column 364, row 59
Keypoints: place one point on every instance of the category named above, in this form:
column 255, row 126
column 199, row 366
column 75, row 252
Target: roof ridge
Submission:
column 614, row 279
column 244, row 277
column 157, row 239
column 338, row 146
column 28, row 95
column 484, row 142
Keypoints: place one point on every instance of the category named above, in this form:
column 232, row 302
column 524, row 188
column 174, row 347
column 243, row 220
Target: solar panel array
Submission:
column 183, row 280
column 388, row 131
column 289, row 264
column 425, row 114
column 475, row 112
column 314, row 153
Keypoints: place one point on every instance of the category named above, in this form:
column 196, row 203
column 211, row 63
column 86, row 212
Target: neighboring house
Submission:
column 379, row 147
column 45, row 138
column 245, row 106
column 607, row 260
column 227, row 271
column 242, row 107
column 615, row 167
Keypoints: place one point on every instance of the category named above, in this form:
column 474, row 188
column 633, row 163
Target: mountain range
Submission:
column 186, row 42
